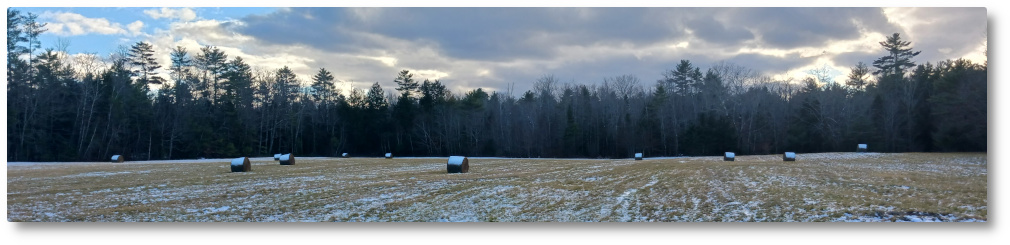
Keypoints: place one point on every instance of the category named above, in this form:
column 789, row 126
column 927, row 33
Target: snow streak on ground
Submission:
column 828, row 187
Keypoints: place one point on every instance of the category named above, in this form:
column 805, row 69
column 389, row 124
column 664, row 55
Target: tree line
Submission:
column 87, row 108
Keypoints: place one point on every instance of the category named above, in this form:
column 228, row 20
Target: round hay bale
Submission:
column 241, row 164
column 389, row 155
column 638, row 156
column 861, row 148
column 789, row 156
column 458, row 164
column 277, row 157
column 729, row 156
column 287, row 159
column 118, row 158
column 344, row 155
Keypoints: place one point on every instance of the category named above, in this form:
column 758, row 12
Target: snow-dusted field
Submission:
column 817, row 187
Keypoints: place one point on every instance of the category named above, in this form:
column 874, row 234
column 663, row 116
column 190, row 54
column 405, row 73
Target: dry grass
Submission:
column 817, row 187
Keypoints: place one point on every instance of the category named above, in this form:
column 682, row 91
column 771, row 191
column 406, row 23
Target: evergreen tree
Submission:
column 403, row 111
column 474, row 100
column 432, row 93
column 142, row 56
column 15, row 36
column 286, row 83
column 858, row 76
column 375, row 121
column 899, row 57
column 32, row 29
column 211, row 61
column 14, row 32
column 216, row 107
column 922, row 78
column 405, row 83
column 375, row 99
column 238, row 83
column 180, row 64
column 322, row 86
column 713, row 92
column 684, row 79
column 959, row 106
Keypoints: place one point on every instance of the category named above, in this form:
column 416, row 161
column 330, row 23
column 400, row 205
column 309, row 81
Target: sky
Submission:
column 495, row 48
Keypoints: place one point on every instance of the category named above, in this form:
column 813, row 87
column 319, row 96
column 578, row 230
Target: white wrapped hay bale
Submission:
column 344, row 155
column 861, row 148
column 458, row 164
column 277, row 157
column 241, row 164
column 287, row 159
column 118, row 158
column 789, row 156
column 729, row 156
column 389, row 155
column 638, row 156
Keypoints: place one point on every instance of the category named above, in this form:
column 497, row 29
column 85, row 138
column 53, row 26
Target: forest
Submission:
column 212, row 105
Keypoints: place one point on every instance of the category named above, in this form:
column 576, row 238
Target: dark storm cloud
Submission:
column 519, row 45
column 804, row 27
column 959, row 30
column 499, row 34
column 293, row 28
column 713, row 31
column 467, row 33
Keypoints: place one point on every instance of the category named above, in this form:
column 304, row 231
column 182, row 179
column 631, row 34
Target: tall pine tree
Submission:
column 142, row 57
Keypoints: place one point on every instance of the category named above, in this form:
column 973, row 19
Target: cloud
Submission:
column 135, row 27
column 516, row 33
column 195, row 35
column 772, row 64
column 473, row 33
column 182, row 14
column 212, row 32
column 73, row 24
column 559, row 38
column 941, row 33
column 714, row 31
column 491, row 48
column 808, row 27
column 852, row 58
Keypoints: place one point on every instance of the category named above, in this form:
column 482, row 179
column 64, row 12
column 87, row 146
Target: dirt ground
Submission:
column 831, row 187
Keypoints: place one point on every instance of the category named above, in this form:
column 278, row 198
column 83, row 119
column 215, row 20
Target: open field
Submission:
column 817, row 187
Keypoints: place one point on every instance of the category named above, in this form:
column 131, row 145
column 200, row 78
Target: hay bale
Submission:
column 458, row 164
column 789, row 156
column 638, row 156
column 861, row 148
column 241, row 164
column 118, row 158
column 389, row 155
column 277, row 157
column 287, row 159
column 344, row 155
column 729, row 156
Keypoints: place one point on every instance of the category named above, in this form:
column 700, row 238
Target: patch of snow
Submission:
column 97, row 174
column 664, row 158
column 810, row 201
